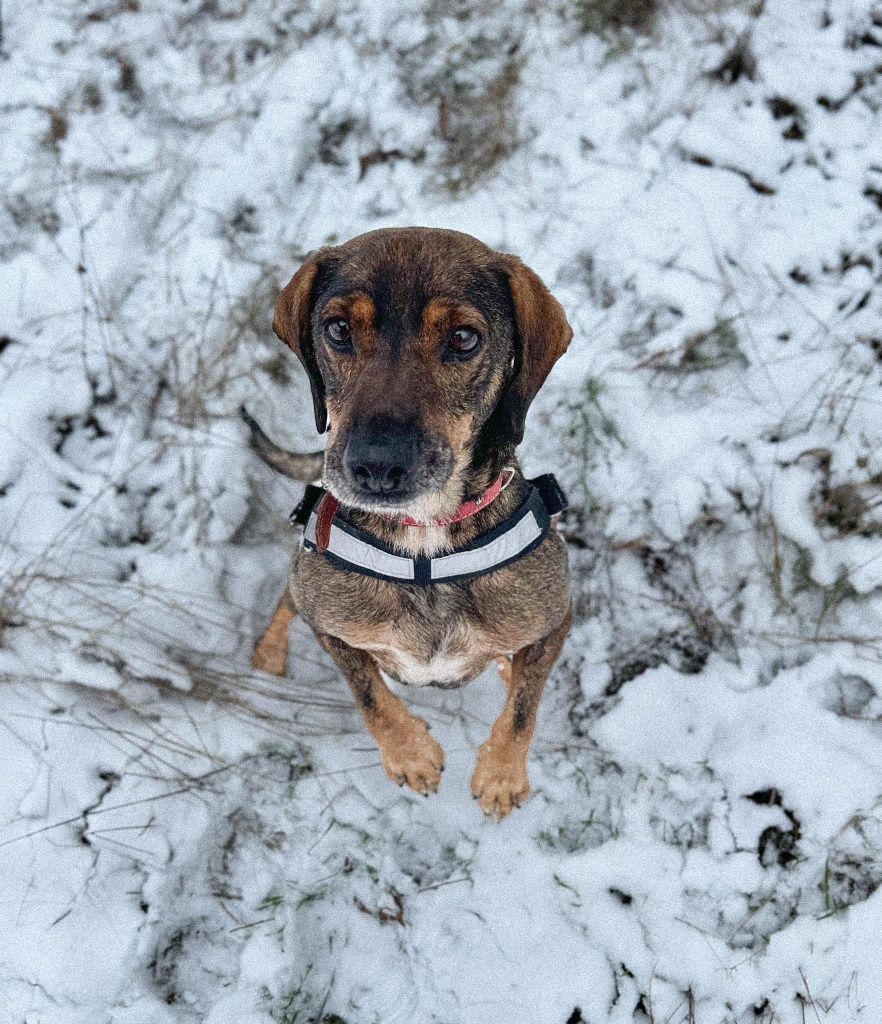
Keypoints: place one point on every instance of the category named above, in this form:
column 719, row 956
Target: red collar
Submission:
column 329, row 507
column 468, row 508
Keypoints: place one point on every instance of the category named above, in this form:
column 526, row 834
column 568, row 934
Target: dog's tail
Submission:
column 305, row 467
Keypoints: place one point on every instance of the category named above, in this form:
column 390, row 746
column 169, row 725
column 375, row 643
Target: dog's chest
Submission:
column 443, row 635
column 420, row 651
column 443, row 669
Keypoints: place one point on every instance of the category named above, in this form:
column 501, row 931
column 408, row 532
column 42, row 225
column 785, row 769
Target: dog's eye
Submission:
column 464, row 341
column 338, row 333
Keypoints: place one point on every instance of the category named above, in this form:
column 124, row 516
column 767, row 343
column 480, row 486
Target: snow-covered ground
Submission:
column 183, row 840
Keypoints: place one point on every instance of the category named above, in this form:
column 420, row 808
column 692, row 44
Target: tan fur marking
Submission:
column 460, row 432
column 358, row 309
column 443, row 315
column 271, row 650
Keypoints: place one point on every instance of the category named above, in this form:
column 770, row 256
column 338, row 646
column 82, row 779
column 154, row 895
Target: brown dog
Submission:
column 424, row 349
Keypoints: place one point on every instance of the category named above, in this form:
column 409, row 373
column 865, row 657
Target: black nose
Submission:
column 381, row 456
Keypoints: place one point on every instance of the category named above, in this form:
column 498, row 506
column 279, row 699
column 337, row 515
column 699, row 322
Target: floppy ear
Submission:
column 543, row 335
column 293, row 325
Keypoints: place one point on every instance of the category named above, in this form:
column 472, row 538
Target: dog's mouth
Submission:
column 407, row 477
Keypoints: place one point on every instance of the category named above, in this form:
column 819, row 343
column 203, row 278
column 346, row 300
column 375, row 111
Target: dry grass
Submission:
column 479, row 130
column 601, row 17
column 614, row 19
column 468, row 70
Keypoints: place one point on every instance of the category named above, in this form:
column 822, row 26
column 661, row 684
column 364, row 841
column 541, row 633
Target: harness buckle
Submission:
column 311, row 497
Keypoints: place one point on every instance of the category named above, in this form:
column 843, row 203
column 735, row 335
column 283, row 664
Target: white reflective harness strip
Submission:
column 511, row 543
column 357, row 552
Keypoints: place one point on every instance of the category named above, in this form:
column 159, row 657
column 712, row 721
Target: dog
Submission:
column 426, row 555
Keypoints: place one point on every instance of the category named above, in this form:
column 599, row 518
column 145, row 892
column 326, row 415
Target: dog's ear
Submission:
column 292, row 324
column 542, row 336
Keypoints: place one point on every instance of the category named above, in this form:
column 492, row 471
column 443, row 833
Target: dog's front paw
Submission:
column 500, row 781
column 410, row 754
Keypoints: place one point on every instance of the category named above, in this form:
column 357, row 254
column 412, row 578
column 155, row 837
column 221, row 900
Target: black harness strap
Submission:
column 311, row 497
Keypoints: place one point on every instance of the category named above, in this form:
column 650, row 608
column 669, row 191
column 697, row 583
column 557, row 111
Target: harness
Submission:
column 350, row 548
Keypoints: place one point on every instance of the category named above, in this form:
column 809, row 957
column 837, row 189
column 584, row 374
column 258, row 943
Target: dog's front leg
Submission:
column 500, row 782
column 408, row 752
column 271, row 650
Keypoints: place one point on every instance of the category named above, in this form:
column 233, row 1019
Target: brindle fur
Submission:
column 403, row 291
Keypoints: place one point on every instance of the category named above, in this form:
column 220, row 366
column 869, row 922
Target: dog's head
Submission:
column 422, row 348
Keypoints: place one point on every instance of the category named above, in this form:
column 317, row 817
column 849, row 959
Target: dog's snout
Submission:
column 381, row 457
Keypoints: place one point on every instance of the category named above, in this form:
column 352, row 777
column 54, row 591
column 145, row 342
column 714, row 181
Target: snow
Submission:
column 182, row 839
